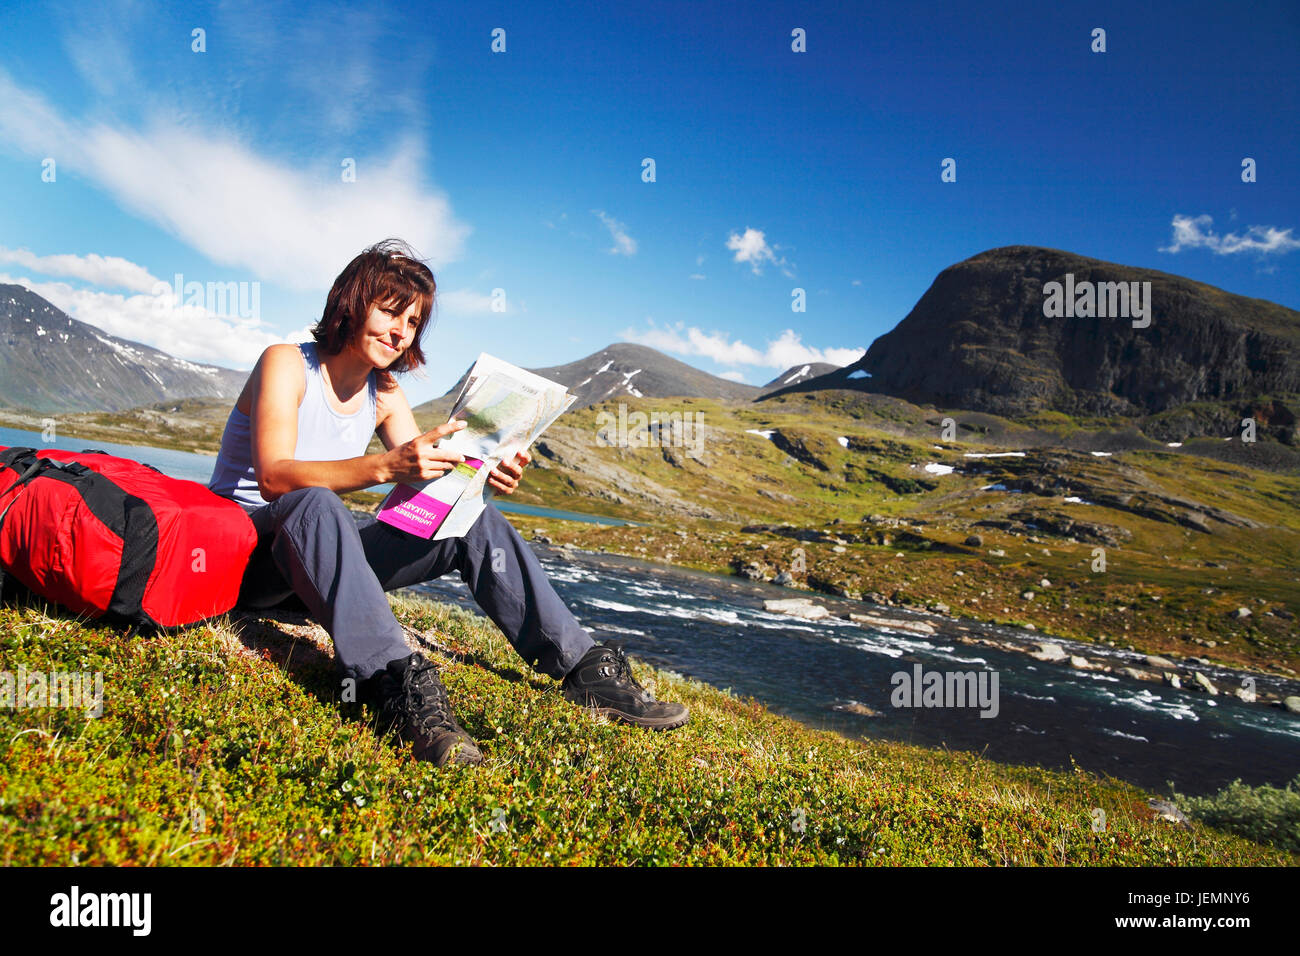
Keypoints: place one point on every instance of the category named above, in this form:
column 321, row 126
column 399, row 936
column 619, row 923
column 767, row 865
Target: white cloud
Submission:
column 237, row 207
column 624, row 245
column 110, row 271
column 784, row 351
column 466, row 302
column 752, row 247
column 1195, row 233
column 788, row 350
column 733, row 376
column 186, row 331
column 842, row 356
column 696, row 275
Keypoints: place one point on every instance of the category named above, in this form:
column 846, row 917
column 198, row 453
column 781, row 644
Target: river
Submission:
column 713, row 628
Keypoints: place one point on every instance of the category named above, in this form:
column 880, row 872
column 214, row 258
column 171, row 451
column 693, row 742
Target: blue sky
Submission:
column 521, row 171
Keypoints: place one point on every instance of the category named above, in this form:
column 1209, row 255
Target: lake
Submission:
column 192, row 467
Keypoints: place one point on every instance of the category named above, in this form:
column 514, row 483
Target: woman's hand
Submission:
column 505, row 477
column 420, row 459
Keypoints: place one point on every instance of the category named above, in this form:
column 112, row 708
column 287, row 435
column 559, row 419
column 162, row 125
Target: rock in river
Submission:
column 797, row 607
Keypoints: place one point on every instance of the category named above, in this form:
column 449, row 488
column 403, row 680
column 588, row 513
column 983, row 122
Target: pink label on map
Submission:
column 409, row 510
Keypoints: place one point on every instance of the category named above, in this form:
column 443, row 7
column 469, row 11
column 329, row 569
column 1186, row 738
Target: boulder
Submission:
column 853, row 707
column 1136, row 674
column 874, row 620
column 797, row 607
column 1164, row 810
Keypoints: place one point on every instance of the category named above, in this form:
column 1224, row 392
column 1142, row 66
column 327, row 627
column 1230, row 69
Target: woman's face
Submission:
column 387, row 333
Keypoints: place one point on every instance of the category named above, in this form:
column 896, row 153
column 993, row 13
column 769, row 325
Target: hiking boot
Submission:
column 414, row 703
column 602, row 682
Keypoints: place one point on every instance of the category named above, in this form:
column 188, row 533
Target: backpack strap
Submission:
column 11, row 455
column 31, row 466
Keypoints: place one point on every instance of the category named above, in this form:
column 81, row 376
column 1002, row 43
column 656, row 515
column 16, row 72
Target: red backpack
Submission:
column 118, row 540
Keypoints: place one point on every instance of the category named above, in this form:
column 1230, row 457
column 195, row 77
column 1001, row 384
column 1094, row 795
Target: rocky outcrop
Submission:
column 1059, row 526
column 978, row 339
column 1066, row 474
column 797, row 448
column 568, row 450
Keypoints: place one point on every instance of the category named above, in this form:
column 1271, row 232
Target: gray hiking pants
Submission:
column 310, row 545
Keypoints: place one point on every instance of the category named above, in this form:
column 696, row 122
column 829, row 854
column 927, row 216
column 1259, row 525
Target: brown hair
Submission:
column 387, row 273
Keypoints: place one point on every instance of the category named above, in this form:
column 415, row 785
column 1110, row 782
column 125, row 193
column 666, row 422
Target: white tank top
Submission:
column 323, row 435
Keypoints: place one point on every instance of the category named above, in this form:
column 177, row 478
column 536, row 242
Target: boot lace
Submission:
column 424, row 699
column 623, row 670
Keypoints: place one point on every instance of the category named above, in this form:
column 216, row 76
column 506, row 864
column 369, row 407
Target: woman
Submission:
column 297, row 437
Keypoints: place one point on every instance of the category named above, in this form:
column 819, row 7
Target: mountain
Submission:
column 800, row 373
column 978, row 339
column 623, row 369
column 54, row 363
column 626, row 369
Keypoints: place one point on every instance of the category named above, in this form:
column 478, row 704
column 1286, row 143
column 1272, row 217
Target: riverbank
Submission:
column 189, row 425
column 225, row 744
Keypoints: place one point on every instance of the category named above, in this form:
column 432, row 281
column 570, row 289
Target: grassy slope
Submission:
column 220, row 749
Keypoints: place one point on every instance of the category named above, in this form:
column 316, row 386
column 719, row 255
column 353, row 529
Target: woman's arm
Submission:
column 278, row 383
column 396, row 420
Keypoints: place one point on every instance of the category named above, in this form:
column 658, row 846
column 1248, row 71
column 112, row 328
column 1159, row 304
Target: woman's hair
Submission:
column 387, row 274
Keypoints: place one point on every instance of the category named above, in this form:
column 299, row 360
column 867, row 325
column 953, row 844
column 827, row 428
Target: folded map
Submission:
column 505, row 409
